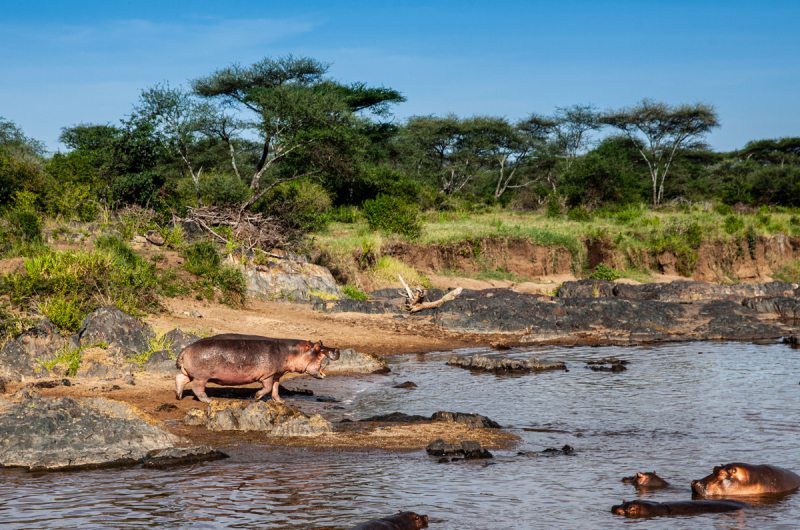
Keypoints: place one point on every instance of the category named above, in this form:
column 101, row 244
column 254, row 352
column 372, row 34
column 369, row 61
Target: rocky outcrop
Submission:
column 471, row 420
column 469, row 448
column 504, row 364
column 19, row 358
column 781, row 306
column 607, row 364
column 182, row 456
column 268, row 417
column 353, row 362
column 291, row 278
column 124, row 335
column 178, row 340
column 50, row 433
column 677, row 291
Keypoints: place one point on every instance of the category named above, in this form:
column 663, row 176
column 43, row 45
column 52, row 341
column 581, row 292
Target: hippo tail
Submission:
column 179, row 360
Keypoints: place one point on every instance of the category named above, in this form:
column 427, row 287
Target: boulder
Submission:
column 154, row 237
column 782, row 306
column 502, row 364
column 295, row 277
column 178, row 340
column 42, row 341
column 125, row 335
column 182, row 456
column 469, row 448
column 474, row 450
column 48, row 433
column 160, row 363
column 607, row 364
column 269, row 417
column 397, row 417
column 473, row 421
column 352, row 362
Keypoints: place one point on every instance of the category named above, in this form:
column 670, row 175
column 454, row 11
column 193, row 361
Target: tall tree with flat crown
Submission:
column 661, row 131
column 299, row 115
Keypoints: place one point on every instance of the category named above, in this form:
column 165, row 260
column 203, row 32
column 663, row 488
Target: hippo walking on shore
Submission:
column 233, row 359
column 746, row 479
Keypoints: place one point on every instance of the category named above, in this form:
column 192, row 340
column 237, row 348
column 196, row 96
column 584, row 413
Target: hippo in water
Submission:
column 646, row 480
column 641, row 508
column 398, row 521
column 746, row 479
column 233, row 359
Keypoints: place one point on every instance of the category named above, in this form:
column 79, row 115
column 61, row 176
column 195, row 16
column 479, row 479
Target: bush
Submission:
column 354, row 293
column 604, row 272
column 724, row 209
column 393, row 215
column 580, row 214
column 733, row 224
column 223, row 189
column 65, row 311
column 203, row 260
column 553, row 207
column 300, row 206
column 25, row 225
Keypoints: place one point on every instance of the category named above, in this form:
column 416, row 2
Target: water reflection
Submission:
column 674, row 410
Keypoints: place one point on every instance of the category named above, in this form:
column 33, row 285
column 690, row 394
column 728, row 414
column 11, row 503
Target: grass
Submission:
column 322, row 294
column 354, row 292
column 387, row 269
column 158, row 343
column 789, row 272
column 70, row 358
column 634, row 232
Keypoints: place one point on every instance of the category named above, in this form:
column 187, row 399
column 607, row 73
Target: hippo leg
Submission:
column 180, row 382
column 199, row 389
column 275, row 396
column 267, row 386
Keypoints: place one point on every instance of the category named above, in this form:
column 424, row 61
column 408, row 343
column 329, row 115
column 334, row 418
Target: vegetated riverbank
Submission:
column 503, row 248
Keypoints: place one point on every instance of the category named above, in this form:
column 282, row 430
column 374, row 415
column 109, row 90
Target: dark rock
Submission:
column 586, row 289
column 327, row 399
column 407, row 384
column 607, row 364
column 166, row 407
column 52, row 384
column 269, row 417
column 42, row 341
column 794, row 340
column 502, row 364
column 190, row 229
column 178, row 340
column 57, row 433
column 776, row 305
column 397, row 417
column 124, row 334
column 2, row 386
column 16, row 364
column 182, row 456
column 474, row 450
column 288, row 392
column 26, row 394
column 473, row 421
column 160, row 362
column 564, row 451
column 443, row 460
column 353, row 362
column 441, row 448
column 500, row 345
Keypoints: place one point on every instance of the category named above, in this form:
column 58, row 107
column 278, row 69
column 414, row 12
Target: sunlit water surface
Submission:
column 679, row 409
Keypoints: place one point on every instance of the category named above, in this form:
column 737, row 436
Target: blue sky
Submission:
column 63, row 63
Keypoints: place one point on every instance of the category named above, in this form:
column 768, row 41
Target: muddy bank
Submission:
column 725, row 262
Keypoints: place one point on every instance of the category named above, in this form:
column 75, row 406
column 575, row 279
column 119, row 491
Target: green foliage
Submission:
column 322, row 294
column 604, row 272
column 344, row 214
column 723, row 209
column 354, row 292
column 157, row 343
column 223, row 189
column 682, row 239
column 12, row 324
column 733, row 224
column 300, row 205
column 580, row 214
column 65, row 311
column 393, row 215
column 553, row 209
column 25, row 225
column 203, row 260
column 789, row 272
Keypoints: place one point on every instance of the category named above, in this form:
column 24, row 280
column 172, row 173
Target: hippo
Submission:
column 746, row 479
column 646, row 480
column 398, row 521
column 233, row 359
column 641, row 508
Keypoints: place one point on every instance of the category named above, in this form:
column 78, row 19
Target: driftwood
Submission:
column 415, row 300
column 254, row 229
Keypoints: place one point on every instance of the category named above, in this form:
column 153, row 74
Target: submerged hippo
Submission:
column 233, row 359
column 746, row 479
column 648, row 480
column 398, row 521
column 655, row 509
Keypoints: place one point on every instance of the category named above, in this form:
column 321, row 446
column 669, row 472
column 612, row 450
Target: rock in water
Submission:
column 269, row 417
column 503, row 364
column 473, row 421
column 352, row 362
column 53, row 433
column 183, row 456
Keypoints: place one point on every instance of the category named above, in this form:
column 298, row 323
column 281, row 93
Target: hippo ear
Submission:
column 317, row 347
column 320, row 343
column 716, row 469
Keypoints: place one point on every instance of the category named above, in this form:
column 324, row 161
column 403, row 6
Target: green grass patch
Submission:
column 354, row 292
column 388, row 269
column 203, row 260
column 789, row 272
column 604, row 272
column 158, row 343
column 322, row 294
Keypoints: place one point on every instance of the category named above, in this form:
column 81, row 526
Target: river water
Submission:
column 679, row 409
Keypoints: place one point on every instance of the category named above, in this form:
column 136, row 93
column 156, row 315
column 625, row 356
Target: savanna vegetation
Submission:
column 326, row 163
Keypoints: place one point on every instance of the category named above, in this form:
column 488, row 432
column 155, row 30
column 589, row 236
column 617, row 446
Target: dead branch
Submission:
column 254, row 229
column 415, row 300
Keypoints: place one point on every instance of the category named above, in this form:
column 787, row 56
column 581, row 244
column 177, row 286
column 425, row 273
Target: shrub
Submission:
column 354, row 293
column 25, row 225
column 65, row 311
column 393, row 215
column 223, row 189
column 604, row 272
column 733, row 224
column 300, row 205
column 553, row 207
column 580, row 214
column 203, row 260
column 344, row 214
column 724, row 209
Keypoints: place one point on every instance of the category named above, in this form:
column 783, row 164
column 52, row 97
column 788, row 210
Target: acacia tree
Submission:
column 451, row 149
column 571, row 128
column 660, row 131
column 303, row 120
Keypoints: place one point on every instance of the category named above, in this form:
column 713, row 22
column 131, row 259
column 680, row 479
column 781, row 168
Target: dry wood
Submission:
column 254, row 229
column 415, row 300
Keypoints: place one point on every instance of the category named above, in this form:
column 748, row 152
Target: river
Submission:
column 679, row 409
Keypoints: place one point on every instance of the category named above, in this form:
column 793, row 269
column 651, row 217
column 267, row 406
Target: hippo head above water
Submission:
column 314, row 354
column 646, row 480
column 745, row 479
